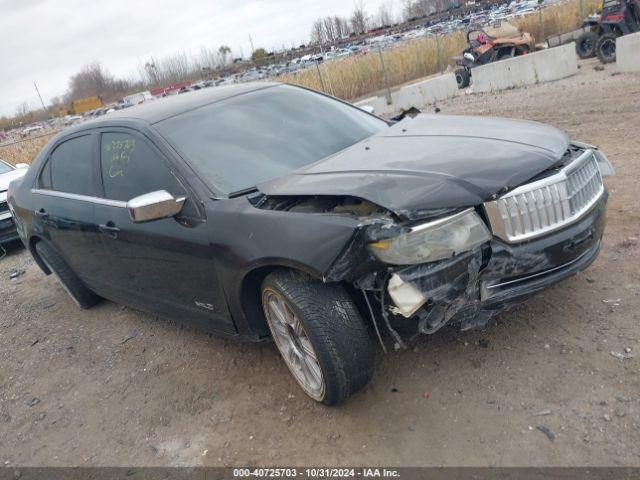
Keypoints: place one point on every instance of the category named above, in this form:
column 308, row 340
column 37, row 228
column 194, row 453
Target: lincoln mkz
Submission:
column 270, row 211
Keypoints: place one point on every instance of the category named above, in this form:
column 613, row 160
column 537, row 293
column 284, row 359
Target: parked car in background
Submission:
column 73, row 119
column 137, row 98
column 8, row 173
column 270, row 211
column 31, row 130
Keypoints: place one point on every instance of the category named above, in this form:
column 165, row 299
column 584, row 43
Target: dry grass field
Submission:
column 356, row 77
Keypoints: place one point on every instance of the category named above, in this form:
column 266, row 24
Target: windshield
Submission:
column 4, row 168
column 251, row 138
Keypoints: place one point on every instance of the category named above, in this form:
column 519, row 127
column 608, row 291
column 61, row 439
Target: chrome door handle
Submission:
column 110, row 229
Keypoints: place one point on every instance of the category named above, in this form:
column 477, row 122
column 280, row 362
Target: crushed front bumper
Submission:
column 471, row 288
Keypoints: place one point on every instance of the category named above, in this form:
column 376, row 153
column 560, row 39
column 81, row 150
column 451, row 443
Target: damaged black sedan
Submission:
column 268, row 210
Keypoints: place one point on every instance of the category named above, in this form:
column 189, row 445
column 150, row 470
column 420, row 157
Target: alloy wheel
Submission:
column 294, row 344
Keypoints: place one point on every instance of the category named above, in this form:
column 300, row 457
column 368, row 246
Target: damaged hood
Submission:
column 431, row 162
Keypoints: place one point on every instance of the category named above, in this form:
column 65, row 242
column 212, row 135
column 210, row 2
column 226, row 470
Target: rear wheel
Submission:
column 319, row 332
column 606, row 48
column 586, row 45
column 463, row 77
column 80, row 294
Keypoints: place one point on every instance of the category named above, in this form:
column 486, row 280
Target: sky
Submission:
column 47, row 41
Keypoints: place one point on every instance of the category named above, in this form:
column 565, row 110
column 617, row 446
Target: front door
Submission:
column 163, row 266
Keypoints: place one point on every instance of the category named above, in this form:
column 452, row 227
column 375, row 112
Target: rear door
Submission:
column 164, row 266
column 63, row 201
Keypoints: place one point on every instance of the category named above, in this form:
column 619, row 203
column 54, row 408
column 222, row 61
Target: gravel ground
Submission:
column 112, row 386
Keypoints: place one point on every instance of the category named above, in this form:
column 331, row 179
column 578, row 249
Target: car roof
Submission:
column 154, row 111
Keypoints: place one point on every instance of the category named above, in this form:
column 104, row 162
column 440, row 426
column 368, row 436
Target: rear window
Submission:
column 251, row 138
column 71, row 165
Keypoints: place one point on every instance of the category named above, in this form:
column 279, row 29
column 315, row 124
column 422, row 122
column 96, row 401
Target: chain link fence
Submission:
column 24, row 150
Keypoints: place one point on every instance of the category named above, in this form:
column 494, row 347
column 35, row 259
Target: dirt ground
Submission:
column 112, row 386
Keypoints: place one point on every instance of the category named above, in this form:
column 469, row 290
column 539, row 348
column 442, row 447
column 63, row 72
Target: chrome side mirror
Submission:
column 154, row 206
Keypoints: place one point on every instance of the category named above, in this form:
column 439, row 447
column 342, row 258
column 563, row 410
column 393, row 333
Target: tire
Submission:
column 463, row 77
column 505, row 53
column 606, row 48
column 80, row 294
column 586, row 45
column 323, row 324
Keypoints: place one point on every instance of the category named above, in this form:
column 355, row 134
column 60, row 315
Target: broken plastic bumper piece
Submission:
column 472, row 287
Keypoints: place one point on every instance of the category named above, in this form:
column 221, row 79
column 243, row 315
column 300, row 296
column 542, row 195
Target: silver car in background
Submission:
column 8, row 173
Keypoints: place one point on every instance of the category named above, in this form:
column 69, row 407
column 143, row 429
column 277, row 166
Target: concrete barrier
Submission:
column 628, row 53
column 561, row 39
column 538, row 67
column 417, row 94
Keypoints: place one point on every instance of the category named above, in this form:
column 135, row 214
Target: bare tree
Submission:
column 23, row 110
column 209, row 57
column 317, row 32
column 420, row 8
column 223, row 51
column 151, row 72
column 92, row 80
column 329, row 30
column 385, row 14
column 359, row 18
column 407, row 10
column 341, row 26
column 423, row 7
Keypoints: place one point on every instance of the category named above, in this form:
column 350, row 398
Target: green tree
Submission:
column 258, row 54
column 223, row 51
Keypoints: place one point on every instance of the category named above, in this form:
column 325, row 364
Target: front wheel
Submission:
column 505, row 53
column 606, row 48
column 463, row 77
column 320, row 334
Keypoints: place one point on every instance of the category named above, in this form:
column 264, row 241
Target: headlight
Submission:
column 435, row 240
column 606, row 169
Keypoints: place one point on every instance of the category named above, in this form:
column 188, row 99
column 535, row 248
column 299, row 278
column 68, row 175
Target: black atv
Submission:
column 618, row 17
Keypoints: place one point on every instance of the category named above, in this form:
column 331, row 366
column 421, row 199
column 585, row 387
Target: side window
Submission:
column 71, row 167
column 130, row 167
column 44, row 180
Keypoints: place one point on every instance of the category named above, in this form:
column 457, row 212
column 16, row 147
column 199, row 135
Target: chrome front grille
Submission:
column 549, row 204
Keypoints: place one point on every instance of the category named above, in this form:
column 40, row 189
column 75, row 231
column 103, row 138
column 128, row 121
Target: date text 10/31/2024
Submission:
column 316, row 472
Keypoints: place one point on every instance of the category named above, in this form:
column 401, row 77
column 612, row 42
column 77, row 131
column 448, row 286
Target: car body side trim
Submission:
column 82, row 198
